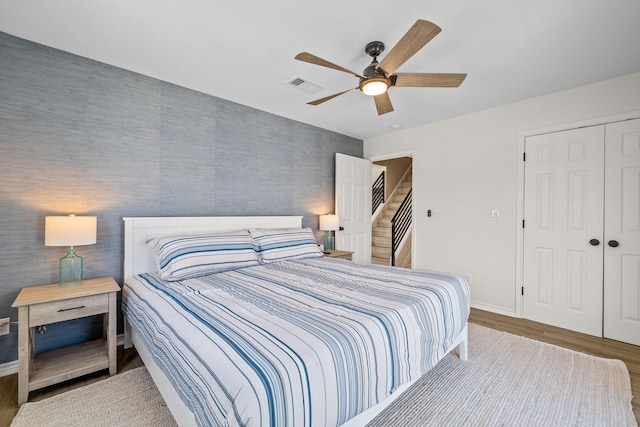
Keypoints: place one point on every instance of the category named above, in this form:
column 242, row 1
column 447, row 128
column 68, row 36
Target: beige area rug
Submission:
column 127, row 399
column 507, row 381
column 514, row 381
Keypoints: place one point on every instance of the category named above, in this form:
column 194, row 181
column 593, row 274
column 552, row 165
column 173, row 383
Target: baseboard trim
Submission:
column 11, row 368
column 493, row 309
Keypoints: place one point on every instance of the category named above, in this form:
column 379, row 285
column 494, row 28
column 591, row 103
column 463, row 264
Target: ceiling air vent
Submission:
column 304, row 85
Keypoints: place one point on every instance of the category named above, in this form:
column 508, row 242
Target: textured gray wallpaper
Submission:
column 81, row 136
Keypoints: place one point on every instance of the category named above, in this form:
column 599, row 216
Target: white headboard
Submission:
column 138, row 257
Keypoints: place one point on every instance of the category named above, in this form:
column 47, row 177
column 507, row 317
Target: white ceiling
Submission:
column 244, row 51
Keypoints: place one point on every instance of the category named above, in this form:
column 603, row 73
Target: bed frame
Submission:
column 139, row 259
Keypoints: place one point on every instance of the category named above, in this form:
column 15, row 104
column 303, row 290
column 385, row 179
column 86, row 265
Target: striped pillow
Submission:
column 192, row 255
column 285, row 243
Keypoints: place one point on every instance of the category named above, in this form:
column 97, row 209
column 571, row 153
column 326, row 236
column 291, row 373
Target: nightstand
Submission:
column 42, row 305
column 339, row 254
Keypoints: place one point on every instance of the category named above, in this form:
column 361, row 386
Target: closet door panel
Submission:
column 564, row 174
column 622, row 232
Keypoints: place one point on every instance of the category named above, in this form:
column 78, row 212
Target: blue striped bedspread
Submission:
column 295, row 343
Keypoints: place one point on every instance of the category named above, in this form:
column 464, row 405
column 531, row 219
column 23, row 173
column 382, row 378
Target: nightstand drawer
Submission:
column 335, row 253
column 58, row 311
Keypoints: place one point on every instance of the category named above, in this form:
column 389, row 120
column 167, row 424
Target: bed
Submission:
column 294, row 339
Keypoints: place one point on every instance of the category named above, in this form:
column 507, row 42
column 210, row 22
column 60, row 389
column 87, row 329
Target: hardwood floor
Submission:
column 128, row 359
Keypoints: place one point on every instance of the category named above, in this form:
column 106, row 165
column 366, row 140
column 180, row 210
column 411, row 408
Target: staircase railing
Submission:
column 400, row 223
column 377, row 193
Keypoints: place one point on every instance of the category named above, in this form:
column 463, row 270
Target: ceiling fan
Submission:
column 378, row 77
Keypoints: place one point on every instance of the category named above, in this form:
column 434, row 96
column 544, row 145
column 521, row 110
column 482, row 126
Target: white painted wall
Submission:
column 376, row 170
column 467, row 166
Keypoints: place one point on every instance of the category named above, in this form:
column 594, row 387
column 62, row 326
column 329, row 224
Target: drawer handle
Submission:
column 72, row 308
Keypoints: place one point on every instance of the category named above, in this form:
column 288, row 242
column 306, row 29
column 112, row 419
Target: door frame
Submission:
column 414, row 228
column 519, row 249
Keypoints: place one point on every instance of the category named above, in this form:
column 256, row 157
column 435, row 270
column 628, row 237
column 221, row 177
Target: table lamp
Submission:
column 329, row 223
column 70, row 231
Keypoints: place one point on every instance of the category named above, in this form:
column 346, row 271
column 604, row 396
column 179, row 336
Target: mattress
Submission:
column 310, row 342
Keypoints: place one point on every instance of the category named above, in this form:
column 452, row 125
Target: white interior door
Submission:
column 563, row 234
column 353, row 204
column 622, row 226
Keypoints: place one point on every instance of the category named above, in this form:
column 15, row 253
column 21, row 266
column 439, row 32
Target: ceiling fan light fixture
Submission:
column 378, row 77
column 374, row 86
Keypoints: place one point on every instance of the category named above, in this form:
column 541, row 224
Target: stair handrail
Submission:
column 391, row 195
column 377, row 192
column 400, row 223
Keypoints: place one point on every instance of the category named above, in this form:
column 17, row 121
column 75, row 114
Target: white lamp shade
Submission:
column 329, row 222
column 70, row 230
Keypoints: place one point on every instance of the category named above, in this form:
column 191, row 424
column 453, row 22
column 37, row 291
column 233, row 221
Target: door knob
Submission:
column 594, row 242
column 613, row 243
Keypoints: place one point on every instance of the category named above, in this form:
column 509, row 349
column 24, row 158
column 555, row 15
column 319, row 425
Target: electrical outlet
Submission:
column 4, row 326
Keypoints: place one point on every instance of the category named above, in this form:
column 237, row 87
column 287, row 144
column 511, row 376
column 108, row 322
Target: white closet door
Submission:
column 563, row 247
column 353, row 204
column 622, row 226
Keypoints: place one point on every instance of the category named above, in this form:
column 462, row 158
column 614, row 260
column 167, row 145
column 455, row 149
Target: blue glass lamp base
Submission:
column 70, row 270
column 328, row 242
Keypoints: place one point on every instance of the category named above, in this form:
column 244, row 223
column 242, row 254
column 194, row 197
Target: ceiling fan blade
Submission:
column 418, row 35
column 429, row 79
column 383, row 103
column 312, row 59
column 327, row 98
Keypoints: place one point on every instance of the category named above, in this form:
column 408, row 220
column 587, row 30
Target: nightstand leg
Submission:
column 111, row 334
column 24, row 354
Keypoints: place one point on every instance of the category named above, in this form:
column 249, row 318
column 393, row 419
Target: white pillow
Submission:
column 285, row 243
column 192, row 255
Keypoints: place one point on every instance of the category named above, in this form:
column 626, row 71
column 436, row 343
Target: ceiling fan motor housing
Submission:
column 371, row 71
